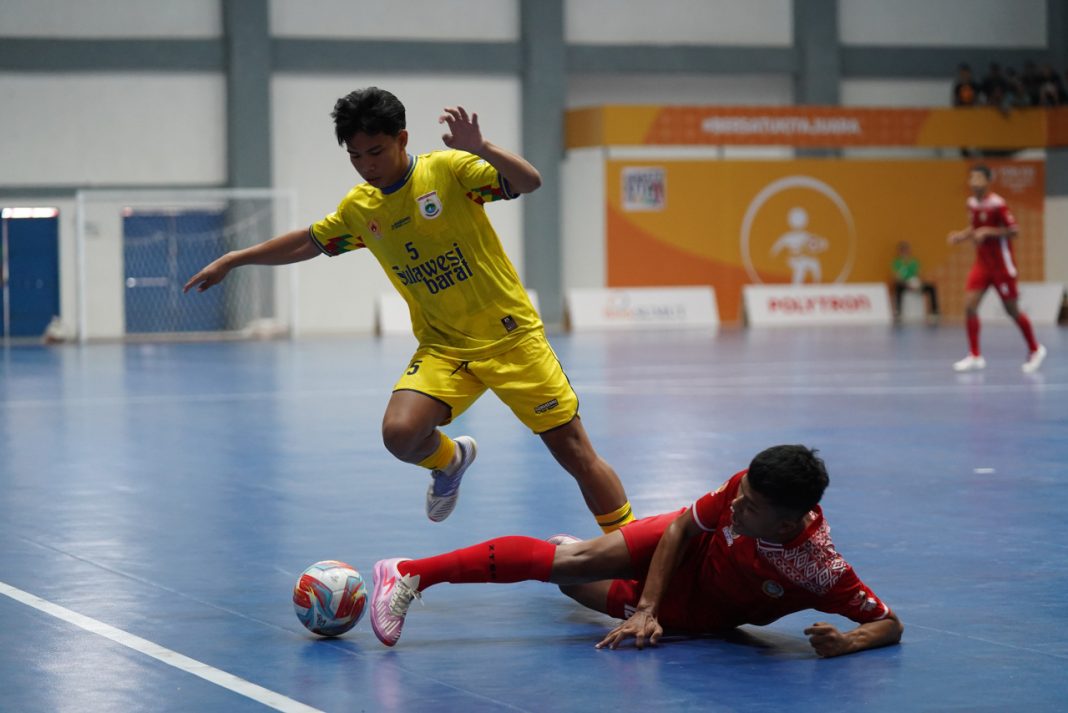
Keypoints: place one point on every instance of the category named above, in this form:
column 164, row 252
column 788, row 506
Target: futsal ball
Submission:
column 329, row 598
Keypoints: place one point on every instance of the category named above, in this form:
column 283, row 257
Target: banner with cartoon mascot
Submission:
column 731, row 223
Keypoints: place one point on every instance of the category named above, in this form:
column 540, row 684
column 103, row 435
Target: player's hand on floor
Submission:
column 641, row 625
column 827, row 640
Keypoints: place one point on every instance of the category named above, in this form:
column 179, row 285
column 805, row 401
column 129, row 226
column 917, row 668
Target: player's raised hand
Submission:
column 209, row 276
column 642, row 625
column 827, row 640
column 463, row 133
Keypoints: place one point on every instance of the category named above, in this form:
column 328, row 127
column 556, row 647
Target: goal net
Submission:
column 136, row 249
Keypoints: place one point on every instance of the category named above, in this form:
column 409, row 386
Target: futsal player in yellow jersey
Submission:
column 423, row 218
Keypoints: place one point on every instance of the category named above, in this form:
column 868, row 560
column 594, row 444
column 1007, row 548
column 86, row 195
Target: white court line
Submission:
column 172, row 658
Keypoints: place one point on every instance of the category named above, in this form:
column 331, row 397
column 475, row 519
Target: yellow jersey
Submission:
column 430, row 233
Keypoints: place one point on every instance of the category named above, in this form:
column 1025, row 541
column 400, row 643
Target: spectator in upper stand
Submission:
column 1031, row 81
column 994, row 86
column 1051, row 89
column 1016, row 95
column 965, row 89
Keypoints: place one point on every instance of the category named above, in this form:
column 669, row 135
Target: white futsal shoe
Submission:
column 1035, row 360
column 444, row 488
column 393, row 594
column 970, row 363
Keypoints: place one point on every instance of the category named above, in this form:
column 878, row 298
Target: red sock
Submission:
column 973, row 334
column 504, row 559
column 1028, row 334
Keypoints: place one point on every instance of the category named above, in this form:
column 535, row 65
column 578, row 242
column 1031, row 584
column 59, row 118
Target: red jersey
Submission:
column 994, row 255
column 725, row 579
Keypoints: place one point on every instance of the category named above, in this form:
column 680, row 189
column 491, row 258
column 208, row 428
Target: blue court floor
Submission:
column 157, row 502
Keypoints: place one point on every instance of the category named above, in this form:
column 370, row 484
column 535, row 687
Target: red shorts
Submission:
column 681, row 608
column 980, row 278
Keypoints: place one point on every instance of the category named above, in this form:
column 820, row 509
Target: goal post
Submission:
column 136, row 249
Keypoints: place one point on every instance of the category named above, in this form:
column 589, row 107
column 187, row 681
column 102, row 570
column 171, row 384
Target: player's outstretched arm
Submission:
column 643, row 624
column 288, row 248
column 465, row 135
column 828, row 641
column 959, row 236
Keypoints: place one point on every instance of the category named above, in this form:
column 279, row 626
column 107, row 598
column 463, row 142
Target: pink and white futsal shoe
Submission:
column 393, row 594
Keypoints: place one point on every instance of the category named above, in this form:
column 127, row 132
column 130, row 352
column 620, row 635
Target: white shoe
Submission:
column 970, row 363
column 393, row 593
column 1035, row 360
column 444, row 488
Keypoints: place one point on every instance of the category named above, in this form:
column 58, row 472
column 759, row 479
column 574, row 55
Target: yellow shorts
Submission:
column 528, row 378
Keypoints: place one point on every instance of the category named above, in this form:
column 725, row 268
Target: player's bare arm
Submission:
column 643, row 624
column 828, row 641
column 465, row 135
column 995, row 232
column 288, row 248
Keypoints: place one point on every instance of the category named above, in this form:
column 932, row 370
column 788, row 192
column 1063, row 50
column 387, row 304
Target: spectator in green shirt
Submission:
column 906, row 269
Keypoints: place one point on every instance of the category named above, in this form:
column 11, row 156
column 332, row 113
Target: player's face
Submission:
column 754, row 516
column 380, row 159
column 978, row 183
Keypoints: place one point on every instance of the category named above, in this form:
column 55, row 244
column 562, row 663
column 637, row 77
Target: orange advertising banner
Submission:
column 823, row 126
column 732, row 223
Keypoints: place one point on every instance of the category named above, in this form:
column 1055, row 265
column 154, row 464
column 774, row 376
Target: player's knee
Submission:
column 399, row 436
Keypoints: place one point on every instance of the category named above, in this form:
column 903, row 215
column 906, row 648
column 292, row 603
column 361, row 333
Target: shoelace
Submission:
column 402, row 597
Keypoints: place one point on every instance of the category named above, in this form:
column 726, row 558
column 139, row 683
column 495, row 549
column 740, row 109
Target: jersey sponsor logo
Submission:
column 438, row 273
column 375, row 228
column 772, row 588
column 429, row 205
column 729, row 535
column 401, row 223
column 863, row 601
column 547, row 406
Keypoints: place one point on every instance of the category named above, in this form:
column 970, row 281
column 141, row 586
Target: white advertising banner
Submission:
column 641, row 307
column 812, row 305
column 1040, row 301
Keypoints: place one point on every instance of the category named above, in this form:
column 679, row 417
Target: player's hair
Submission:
column 790, row 477
column 370, row 111
column 983, row 169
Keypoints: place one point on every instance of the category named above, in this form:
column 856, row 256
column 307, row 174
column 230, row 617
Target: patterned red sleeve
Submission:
column 853, row 599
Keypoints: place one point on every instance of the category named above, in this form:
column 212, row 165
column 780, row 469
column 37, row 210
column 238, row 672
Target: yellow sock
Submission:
column 442, row 456
column 616, row 519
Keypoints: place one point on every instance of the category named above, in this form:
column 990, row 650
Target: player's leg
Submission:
column 1036, row 352
column 410, row 426
column 529, row 379
column 600, row 485
column 974, row 287
column 431, row 392
column 501, row 560
column 932, row 299
column 899, row 292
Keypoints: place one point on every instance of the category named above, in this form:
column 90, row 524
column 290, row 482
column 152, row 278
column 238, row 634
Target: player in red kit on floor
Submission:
column 993, row 230
column 755, row 550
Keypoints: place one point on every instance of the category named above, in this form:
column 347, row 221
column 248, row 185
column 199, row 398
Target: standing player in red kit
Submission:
column 751, row 552
column 993, row 230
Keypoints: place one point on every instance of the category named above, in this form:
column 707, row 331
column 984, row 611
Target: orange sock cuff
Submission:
column 442, row 456
column 616, row 519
